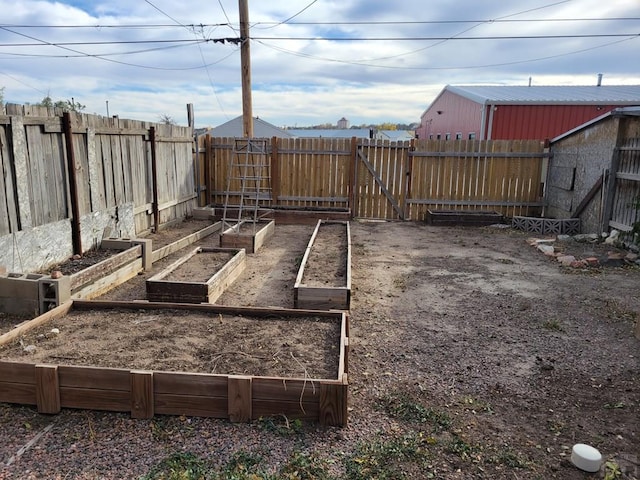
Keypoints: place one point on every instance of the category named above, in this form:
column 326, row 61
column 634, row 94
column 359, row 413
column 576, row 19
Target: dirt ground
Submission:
column 473, row 355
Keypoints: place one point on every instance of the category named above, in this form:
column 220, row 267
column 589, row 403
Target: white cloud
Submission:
column 304, row 81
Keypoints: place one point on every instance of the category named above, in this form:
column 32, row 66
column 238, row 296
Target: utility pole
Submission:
column 245, row 67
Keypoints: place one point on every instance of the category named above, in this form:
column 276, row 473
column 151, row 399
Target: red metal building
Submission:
column 519, row 112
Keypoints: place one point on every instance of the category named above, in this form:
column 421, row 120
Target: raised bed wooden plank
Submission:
column 104, row 284
column 184, row 404
column 162, row 287
column 470, row 218
column 21, row 329
column 243, row 236
column 144, row 393
column 101, row 269
column 311, row 292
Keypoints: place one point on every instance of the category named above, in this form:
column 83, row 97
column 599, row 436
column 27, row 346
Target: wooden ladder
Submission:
column 250, row 172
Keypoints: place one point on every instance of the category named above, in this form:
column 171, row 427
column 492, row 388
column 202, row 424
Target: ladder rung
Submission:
column 250, row 178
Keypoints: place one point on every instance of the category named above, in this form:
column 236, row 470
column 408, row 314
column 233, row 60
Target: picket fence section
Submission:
column 387, row 180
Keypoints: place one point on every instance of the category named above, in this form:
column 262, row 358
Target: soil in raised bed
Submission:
column 176, row 231
column 9, row 321
column 78, row 263
column 199, row 268
column 327, row 262
column 174, row 340
column 164, row 237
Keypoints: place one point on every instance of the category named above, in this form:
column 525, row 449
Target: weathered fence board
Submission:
column 626, row 200
column 113, row 178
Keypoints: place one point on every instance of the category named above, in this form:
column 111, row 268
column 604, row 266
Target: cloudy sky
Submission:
column 313, row 62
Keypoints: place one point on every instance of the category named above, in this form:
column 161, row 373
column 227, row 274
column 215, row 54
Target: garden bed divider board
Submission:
column 167, row 250
column 159, row 289
column 145, row 393
column 230, row 238
column 103, row 276
column 323, row 298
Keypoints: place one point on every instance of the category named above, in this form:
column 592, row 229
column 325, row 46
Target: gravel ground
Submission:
column 472, row 356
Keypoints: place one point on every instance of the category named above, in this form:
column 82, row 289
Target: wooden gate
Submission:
column 381, row 180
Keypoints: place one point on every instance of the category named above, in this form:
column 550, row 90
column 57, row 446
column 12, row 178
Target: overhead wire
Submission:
column 204, row 62
column 287, row 19
column 458, row 67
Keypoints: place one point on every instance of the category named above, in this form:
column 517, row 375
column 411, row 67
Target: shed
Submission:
column 261, row 129
column 594, row 173
column 519, row 112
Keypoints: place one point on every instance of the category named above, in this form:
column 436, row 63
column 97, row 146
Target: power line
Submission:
column 457, row 67
column 238, row 41
column 484, row 37
column 347, row 23
column 277, row 24
column 204, row 62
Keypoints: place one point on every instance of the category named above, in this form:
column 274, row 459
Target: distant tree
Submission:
column 66, row 105
column 167, row 119
column 1, row 96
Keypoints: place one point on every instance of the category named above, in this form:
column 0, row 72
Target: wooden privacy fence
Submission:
column 74, row 166
column 623, row 195
column 386, row 180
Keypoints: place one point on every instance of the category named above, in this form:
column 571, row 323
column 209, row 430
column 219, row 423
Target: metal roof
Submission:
column 329, row 133
column 261, row 129
column 544, row 95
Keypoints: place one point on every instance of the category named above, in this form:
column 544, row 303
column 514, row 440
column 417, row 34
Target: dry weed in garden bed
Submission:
column 176, row 340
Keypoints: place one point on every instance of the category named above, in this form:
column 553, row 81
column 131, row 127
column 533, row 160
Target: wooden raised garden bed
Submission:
column 158, row 358
column 103, row 276
column 198, row 277
column 248, row 235
column 167, row 250
column 470, row 218
column 324, row 277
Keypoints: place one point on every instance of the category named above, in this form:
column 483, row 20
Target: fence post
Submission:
column 73, row 184
column 207, row 170
column 353, row 177
column 409, row 169
column 611, row 189
column 275, row 172
column 154, row 179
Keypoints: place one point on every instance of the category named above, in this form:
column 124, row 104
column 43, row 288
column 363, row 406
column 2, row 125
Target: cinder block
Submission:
column 53, row 292
column 19, row 285
column 19, row 294
column 147, row 252
column 115, row 243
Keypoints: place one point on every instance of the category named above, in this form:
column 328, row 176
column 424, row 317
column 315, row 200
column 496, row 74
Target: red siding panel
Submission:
column 539, row 122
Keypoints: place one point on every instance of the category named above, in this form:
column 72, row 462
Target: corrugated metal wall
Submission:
column 531, row 122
